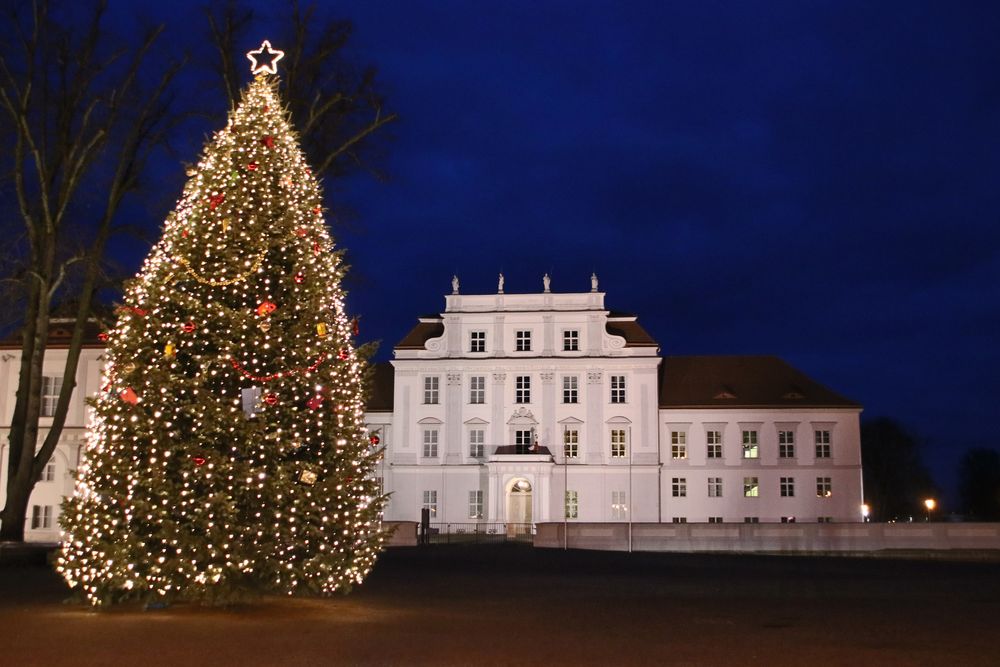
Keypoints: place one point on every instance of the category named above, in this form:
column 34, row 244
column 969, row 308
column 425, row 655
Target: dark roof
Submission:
column 420, row 334
column 631, row 331
column 741, row 381
column 60, row 333
column 382, row 379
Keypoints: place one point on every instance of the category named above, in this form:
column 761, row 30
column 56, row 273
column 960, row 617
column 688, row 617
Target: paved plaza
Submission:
column 514, row 605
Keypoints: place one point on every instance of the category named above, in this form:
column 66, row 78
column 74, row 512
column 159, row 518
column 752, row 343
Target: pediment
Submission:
column 522, row 416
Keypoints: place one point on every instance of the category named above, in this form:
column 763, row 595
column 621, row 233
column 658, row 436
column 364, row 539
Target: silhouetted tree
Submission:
column 895, row 478
column 979, row 484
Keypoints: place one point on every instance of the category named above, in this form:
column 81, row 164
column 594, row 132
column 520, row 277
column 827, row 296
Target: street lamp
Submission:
column 865, row 512
column 930, row 504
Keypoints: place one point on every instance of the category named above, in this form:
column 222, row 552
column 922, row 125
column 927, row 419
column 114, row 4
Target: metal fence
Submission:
column 479, row 533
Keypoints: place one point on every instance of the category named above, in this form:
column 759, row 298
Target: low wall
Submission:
column 770, row 537
column 404, row 533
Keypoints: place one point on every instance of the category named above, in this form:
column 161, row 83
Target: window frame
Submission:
column 571, row 504
column 431, row 439
column 678, row 487
column 571, row 340
column 571, row 443
column 571, row 389
column 51, row 388
column 475, row 446
column 522, row 340
column 476, row 504
column 751, row 444
column 786, row 487
column 522, row 389
column 477, row 339
column 618, row 389
column 678, row 445
column 477, row 392
column 619, row 445
column 430, row 501
column 751, row 487
column 432, row 389
column 786, row 444
column 714, row 487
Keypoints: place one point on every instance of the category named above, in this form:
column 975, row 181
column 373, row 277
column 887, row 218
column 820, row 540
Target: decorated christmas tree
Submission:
column 227, row 454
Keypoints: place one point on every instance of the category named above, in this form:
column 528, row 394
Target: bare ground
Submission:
column 514, row 605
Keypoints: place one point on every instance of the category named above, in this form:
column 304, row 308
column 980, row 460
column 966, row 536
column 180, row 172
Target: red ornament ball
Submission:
column 266, row 308
column 343, row 354
column 315, row 403
column 271, row 399
column 299, row 278
column 103, row 336
column 268, row 141
column 199, row 460
column 188, row 327
column 302, row 231
column 375, row 440
column 252, row 166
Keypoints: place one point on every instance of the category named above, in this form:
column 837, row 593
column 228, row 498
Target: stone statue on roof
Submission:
column 454, row 284
column 593, row 282
column 500, row 284
column 546, row 282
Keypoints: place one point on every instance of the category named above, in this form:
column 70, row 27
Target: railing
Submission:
column 536, row 450
column 479, row 533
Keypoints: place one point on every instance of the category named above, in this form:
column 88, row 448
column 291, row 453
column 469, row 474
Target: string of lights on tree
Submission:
column 226, row 454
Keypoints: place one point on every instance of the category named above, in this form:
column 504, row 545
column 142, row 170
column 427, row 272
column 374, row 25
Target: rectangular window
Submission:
column 431, row 502
column 619, row 508
column 714, row 487
column 432, row 385
column 477, row 437
column 786, row 444
column 477, row 389
column 41, row 516
column 750, row 448
column 51, row 386
column 571, row 340
column 714, row 441
column 571, row 443
column 822, row 444
column 824, row 487
column 477, row 341
column 430, row 443
column 680, row 519
column 522, row 341
column 618, row 443
column 751, row 488
column 572, row 505
column 715, row 519
column 250, row 398
column 678, row 445
column 617, row 388
column 679, row 487
column 476, row 504
column 522, row 389
column 523, row 441
column 571, row 386
column 786, row 487
column 49, row 472
column 751, row 519
column 788, row 519
column 824, row 519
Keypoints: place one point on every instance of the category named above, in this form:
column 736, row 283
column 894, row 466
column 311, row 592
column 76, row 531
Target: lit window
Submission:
column 751, row 488
column 571, row 443
column 679, row 487
column 476, row 440
column 430, row 443
column 432, row 386
column 477, row 341
column 571, row 340
column 618, row 443
column 477, row 389
column 786, row 487
column 476, row 504
column 678, row 445
column 522, row 389
column 786, row 444
column 572, row 505
column 822, row 444
column 750, row 448
column 714, row 443
column 431, row 502
column 522, row 341
column 51, row 386
column 617, row 388
column 619, row 508
column 824, row 487
column 714, row 487
column 570, row 389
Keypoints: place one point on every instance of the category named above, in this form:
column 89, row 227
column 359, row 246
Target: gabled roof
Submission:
column 380, row 388
column 721, row 381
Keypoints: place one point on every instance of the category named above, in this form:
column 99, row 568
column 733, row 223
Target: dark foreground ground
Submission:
column 512, row 605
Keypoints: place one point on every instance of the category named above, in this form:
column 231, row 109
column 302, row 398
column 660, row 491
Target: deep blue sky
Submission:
column 816, row 180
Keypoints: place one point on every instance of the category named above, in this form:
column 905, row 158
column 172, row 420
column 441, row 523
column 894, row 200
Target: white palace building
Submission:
column 547, row 407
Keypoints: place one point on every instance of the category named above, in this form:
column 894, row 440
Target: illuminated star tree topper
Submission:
column 265, row 59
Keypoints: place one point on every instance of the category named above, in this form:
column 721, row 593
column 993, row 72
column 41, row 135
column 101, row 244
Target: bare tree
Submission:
column 80, row 120
column 335, row 105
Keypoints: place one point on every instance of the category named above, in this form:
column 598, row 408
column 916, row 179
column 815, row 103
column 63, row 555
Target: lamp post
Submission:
column 930, row 504
column 865, row 513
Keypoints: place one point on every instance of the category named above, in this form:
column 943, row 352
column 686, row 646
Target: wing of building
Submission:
column 517, row 409
column 529, row 408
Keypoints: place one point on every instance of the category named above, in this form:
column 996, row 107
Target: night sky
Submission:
column 815, row 180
